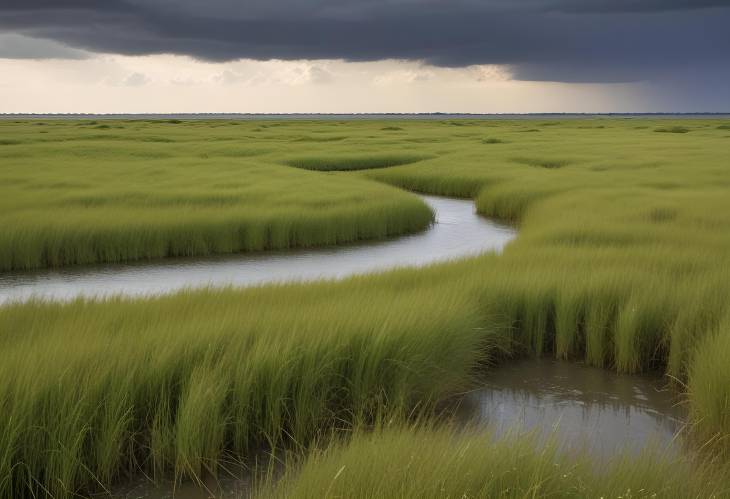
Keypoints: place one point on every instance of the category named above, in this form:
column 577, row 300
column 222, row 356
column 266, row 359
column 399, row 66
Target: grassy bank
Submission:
column 623, row 261
column 349, row 163
column 417, row 463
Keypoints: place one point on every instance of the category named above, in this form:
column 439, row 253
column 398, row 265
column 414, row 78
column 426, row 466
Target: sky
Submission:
column 358, row 56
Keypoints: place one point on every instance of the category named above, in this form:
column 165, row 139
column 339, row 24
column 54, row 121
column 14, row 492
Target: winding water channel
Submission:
column 458, row 232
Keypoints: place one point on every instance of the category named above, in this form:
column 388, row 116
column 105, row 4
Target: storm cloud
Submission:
column 553, row 40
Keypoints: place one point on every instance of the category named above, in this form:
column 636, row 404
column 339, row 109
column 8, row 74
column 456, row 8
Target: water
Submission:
column 583, row 406
column 458, row 232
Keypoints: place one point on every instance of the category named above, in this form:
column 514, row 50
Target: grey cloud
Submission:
column 556, row 40
column 17, row 46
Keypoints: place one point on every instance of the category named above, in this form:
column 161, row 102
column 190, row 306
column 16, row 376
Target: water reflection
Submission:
column 584, row 406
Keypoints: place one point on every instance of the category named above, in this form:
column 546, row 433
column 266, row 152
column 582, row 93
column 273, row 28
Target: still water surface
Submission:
column 458, row 232
column 584, row 406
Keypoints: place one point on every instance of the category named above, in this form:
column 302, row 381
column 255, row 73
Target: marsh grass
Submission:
column 142, row 194
column 708, row 387
column 672, row 129
column 439, row 463
column 229, row 371
column 623, row 261
column 345, row 163
column 542, row 162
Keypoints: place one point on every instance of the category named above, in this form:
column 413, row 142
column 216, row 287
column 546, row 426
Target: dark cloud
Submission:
column 632, row 5
column 559, row 40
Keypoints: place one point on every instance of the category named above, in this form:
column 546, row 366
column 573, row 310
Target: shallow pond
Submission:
column 581, row 405
column 458, row 232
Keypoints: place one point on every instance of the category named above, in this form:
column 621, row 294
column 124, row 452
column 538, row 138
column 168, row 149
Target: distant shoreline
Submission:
column 352, row 116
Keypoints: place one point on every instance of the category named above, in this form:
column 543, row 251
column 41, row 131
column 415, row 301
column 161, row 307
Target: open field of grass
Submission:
column 73, row 193
column 623, row 261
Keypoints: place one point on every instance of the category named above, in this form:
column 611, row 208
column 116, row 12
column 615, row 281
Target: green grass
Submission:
column 142, row 191
column 171, row 385
column 423, row 463
column 346, row 163
column 622, row 261
column 708, row 387
column 673, row 129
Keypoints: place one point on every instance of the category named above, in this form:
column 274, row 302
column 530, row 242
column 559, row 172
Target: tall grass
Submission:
column 169, row 386
column 708, row 387
column 32, row 239
column 428, row 463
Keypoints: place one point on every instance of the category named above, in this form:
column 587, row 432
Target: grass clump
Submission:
column 543, row 163
column 144, row 226
column 708, row 387
column 428, row 463
column 672, row 129
column 345, row 163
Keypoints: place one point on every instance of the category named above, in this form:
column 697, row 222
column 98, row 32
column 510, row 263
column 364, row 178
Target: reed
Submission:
column 708, row 387
column 95, row 392
column 437, row 463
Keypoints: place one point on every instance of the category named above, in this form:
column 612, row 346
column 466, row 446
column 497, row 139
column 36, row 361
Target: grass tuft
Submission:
column 346, row 163
column 543, row 163
column 672, row 129
column 428, row 463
